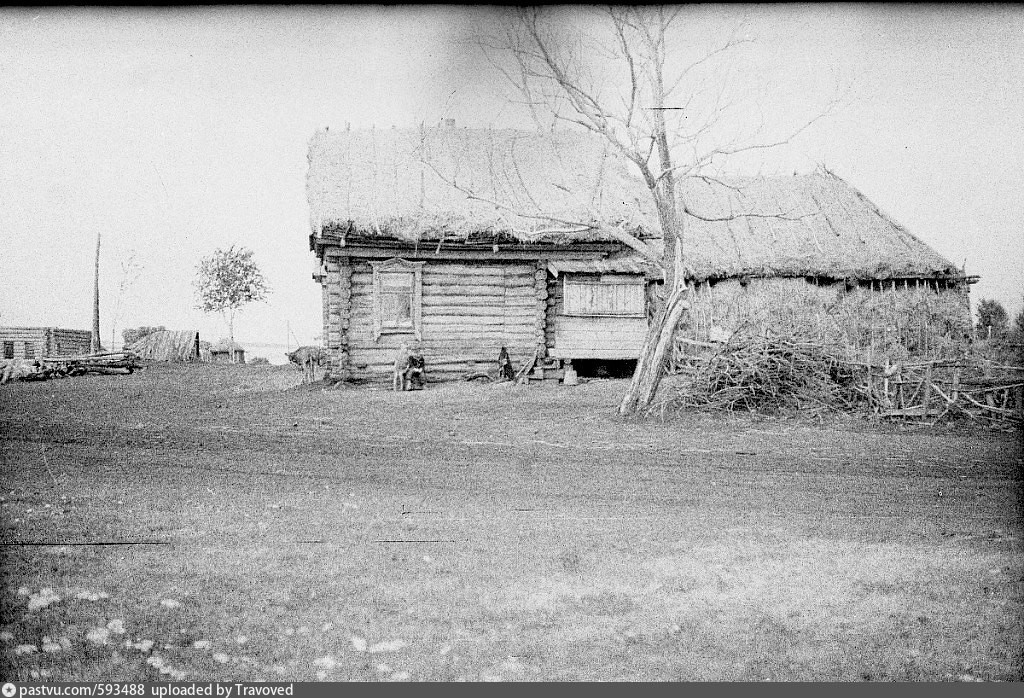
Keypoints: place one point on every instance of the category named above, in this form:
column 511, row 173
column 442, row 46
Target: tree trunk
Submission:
column 95, row 344
column 651, row 365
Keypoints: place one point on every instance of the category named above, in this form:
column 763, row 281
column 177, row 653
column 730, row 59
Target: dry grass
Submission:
column 543, row 538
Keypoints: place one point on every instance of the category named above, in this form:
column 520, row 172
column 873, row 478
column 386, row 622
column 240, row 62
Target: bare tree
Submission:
column 131, row 270
column 667, row 126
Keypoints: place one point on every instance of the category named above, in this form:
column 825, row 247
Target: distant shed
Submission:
column 227, row 352
column 168, row 345
column 39, row 342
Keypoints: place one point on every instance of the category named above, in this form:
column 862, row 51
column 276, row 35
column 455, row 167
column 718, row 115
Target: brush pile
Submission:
column 767, row 374
column 774, row 373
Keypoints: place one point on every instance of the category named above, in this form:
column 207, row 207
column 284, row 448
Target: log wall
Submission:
column 470, row 310
column 37, row 342
column 23, row 342
column 69, row 342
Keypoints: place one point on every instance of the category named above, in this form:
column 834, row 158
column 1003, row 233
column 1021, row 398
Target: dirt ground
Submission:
column 224, row 523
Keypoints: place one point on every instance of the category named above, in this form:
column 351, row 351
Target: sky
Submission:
column 172, row 132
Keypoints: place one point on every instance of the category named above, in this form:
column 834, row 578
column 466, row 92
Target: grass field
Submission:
column 270, row 531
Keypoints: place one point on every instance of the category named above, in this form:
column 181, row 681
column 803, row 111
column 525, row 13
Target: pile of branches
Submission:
column 108, row 362
column 767, row 374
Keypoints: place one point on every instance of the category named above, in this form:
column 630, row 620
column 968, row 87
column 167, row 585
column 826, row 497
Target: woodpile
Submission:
column 109, row 362
column 765, row 374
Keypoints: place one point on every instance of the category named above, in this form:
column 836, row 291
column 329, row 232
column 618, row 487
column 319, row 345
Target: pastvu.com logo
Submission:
column 9, row 690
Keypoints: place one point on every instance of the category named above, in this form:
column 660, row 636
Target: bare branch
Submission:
column 774, row 144
column 736, row 216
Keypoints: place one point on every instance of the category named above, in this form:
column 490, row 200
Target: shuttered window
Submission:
column 617, row 295
column 397, row 297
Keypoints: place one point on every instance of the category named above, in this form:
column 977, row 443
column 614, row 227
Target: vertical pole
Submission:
column 927, row 389
column 95, row 344
column 885, row 383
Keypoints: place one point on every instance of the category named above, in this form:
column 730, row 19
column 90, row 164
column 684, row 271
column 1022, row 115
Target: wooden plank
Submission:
column 459, row 308
column 594, row 353
column 508, row 270
column 498, row 302
column 524, row 325
column 438, row 279
column 429, row 251
column 475, row 290
column 512, row 320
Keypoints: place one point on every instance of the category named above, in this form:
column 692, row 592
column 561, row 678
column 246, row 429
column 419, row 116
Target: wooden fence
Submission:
column 931, row 390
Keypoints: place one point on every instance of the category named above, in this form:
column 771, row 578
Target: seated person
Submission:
column 415, row 378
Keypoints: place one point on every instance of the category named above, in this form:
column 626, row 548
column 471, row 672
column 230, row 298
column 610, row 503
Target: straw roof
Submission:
column 470, row 185
column 803, row 225
column 624, row 264
column 168, row 345
column 225, row 346
column 483, row 185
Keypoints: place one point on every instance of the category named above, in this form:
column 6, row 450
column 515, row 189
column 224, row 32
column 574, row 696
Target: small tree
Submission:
column 992, row 319
column 226, row 281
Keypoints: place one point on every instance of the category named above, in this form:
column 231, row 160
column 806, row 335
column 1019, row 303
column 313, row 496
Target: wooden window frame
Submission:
column 397, row 265
column 596, row 280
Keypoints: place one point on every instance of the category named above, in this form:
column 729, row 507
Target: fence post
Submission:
column 927, row 389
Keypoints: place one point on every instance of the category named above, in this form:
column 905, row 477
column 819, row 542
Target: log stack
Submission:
column 101, row 362
column 107, row 362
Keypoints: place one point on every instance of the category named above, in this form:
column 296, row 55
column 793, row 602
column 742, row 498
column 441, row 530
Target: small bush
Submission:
column 259, row 361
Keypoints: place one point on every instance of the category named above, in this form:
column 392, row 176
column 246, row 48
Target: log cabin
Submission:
column 464, row 241
column 42, row 342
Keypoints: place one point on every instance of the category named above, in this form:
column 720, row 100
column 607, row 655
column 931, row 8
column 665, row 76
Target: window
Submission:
column 8, row 350
column 397, row 297
column 617, row 295
column 30, row 350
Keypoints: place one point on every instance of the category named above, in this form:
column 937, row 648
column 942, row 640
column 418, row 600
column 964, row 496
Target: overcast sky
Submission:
column 174, row 132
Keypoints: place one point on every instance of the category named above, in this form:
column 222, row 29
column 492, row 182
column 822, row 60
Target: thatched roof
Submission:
column 225, row 346
column 470, row 184
column 623, row 264
column 813, row 224
column 168, row 345
column 484, row 185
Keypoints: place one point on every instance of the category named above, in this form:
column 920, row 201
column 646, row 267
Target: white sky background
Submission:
column 174, row 132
